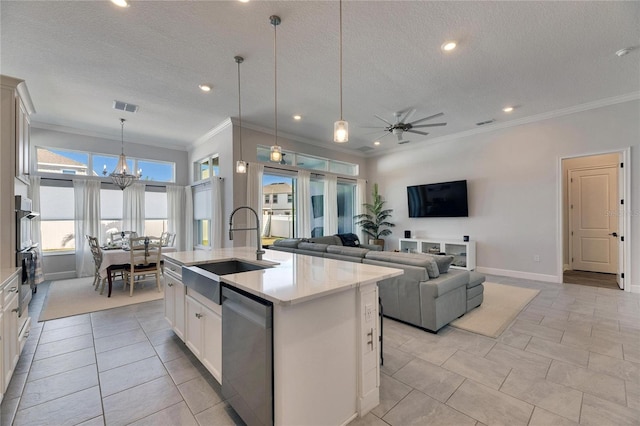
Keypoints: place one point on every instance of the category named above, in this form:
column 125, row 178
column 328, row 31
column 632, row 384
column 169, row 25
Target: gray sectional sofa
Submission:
column 428, row 295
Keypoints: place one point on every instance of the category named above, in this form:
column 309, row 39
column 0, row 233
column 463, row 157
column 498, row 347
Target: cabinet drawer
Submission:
column 10, row 290
column 173, row 269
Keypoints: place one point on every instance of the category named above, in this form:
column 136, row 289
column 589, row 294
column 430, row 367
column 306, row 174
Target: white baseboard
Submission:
column 520, row 274
column 60, row 275
column 635, row 288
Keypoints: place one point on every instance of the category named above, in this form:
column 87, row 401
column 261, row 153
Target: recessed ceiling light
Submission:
column 448, row 46
column 508, row 109
column 624, row 51
column 120, row 3
column 297, row 117
column 376, row 143
column 243, row 1
column 205, row 87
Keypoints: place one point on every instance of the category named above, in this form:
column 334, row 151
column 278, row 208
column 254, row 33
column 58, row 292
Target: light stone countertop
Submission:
column 6, row 274
column 293, row 278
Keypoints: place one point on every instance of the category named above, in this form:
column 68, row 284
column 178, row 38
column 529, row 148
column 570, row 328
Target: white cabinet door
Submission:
column 194, row 324
column 10, row 338
column 1, row 353
column 174, row 304
column 212, row 338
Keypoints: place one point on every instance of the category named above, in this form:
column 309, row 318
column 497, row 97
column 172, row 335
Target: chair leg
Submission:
column 131, row 283
column 102, row 287
column 158, row 281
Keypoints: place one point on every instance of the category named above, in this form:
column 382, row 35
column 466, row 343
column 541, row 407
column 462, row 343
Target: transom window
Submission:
column 207, row 167
column 309, row 162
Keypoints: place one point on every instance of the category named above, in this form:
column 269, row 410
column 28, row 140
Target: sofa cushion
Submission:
column 327, row 239
column 445, row 283
column 475, row 279
column 443, row 262
column 313, row 247
column 402, row 258
column 349, row 240
column 347, row 251
column 432, row 268
column 413, row 274
column 287, row 242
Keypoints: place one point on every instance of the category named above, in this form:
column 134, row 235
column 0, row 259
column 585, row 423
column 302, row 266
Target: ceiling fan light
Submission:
column 276, row 154
column 120, row 3
column 341, row 131
column 241, row 166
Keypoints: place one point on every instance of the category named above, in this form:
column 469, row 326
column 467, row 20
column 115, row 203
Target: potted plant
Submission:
column 374, row 222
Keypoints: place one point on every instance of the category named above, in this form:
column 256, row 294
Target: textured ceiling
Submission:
column 79, row 56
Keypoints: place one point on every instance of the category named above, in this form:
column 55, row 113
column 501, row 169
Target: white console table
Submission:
column 463, row 252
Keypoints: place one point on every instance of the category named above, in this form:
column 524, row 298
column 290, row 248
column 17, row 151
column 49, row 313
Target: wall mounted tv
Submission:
column 446, row 199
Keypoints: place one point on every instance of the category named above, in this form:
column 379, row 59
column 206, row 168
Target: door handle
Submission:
column 614, row 234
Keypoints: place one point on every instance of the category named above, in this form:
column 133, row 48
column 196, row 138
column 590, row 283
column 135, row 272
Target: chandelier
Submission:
column 120, row 176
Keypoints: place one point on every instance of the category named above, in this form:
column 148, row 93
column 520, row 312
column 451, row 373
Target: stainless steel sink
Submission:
column 205, row 278
column 230, row 267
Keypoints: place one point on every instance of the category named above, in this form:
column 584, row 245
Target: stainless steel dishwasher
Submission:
column 247, row 355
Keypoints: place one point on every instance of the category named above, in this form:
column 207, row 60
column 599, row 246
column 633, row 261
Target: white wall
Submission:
column 514, row 181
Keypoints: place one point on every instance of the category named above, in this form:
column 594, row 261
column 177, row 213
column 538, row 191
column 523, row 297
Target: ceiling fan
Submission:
column 402, row 124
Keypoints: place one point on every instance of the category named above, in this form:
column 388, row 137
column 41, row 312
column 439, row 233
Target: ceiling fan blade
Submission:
column 369, row 127
column 380, row 118
column 416, row 131
column 428, row 118
column 382, row 136
column 430, row 125
column 407, row 114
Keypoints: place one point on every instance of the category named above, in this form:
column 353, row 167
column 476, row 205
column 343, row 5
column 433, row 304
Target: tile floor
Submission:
column 571, row 357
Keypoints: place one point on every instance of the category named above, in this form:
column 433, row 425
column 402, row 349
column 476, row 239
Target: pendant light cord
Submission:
column 122, row 120
column 340, row 60
column 239, row 60
column 275, row 73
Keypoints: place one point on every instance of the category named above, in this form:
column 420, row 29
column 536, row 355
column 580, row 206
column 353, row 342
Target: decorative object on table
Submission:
column 407, row 234
column 120, row 175
column 374, row 223
column 465, row 238
column 241, row 166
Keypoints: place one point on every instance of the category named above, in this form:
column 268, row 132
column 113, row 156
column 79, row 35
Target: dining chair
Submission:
column 122, row 237
column 145, row 256
column 96, row 252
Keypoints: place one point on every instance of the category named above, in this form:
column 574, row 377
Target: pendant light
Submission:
column 341, row 127
column 276, row 150
column 120, row 175
column 241, row 166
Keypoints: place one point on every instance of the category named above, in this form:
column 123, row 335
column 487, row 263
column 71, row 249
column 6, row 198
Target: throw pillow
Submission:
column 432, row 268
column 443, row 262
column 349, row 240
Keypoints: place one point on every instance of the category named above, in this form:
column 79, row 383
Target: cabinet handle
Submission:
column 170, row 284
column 199, row 315
column 14, row 310
column 370, row 336
column 13, row 289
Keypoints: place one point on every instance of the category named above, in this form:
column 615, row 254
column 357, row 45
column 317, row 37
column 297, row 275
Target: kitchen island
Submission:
column 325, row 348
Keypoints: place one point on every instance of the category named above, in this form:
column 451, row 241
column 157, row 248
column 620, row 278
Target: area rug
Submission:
column 77, row 296
column 502, row 303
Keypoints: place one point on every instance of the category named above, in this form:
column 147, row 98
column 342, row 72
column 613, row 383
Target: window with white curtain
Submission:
column 202, row 214
column 110, row 213
column 155, row 210
column 57, row 219
column 346, row 206
column 317, row 207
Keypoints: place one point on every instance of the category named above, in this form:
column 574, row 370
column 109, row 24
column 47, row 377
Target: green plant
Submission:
column 374, row 223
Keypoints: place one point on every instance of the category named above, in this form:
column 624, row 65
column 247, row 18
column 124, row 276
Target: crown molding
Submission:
column 633, row 96
column 94, row 134
column 211, row 133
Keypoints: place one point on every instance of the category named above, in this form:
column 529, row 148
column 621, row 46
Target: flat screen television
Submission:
column 445, row 199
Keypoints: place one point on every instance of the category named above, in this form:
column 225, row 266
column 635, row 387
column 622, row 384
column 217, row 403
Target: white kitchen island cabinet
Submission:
column 325, row 331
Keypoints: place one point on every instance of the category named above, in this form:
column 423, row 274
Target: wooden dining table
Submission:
column 115, row 259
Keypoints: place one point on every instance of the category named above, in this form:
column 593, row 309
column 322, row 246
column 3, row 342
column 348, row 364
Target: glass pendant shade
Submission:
column 341, row 131
column 241, row 166
column 276, row 153
column 120, row 177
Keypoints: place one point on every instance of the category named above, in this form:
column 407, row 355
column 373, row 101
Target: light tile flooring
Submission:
column 572, row 356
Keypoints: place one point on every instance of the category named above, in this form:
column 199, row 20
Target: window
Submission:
column 309, row 162
column 54, row 160
column 267, row 198
column 346, row 203
column 206, row 168
column 280, row 220
column 317, row 207
column 155, row 208
column 57, row 219
column 110, row 213
column 202, row 214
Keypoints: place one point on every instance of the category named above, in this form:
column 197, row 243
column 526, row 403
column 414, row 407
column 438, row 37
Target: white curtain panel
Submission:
column 87, row 222
column 303, row 204
column 133, row 208
column 187, row 242
column 217, row 218
column 361, row 198
column 330, row 205
column 254, row 200
column 176, row 201
column 34, row 195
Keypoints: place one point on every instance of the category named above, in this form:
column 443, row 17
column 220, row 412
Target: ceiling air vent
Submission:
column 123, row 106
column 364, row 149
column 482, row 123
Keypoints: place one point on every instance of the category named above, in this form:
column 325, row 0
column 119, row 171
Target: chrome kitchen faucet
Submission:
column 259, row 251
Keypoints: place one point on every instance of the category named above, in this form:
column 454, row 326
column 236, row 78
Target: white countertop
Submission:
column 293, row 278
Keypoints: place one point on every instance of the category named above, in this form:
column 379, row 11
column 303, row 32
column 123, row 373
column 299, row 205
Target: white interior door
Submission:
column 594, row 222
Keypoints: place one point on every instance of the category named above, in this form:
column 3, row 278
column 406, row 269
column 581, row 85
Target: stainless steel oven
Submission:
column 25, row 254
